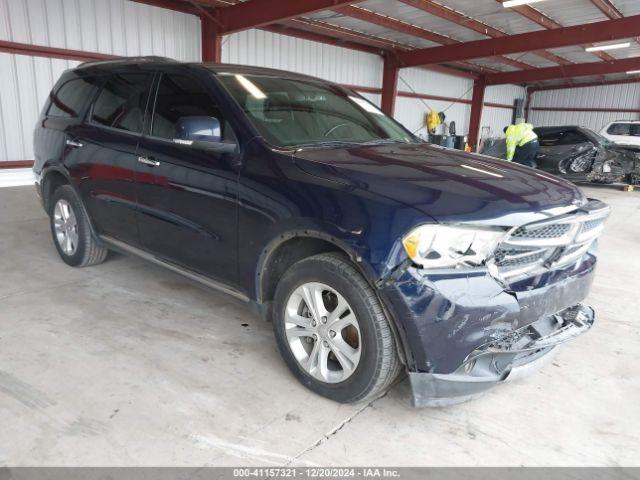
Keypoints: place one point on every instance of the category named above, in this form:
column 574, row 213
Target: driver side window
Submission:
column 182, row 100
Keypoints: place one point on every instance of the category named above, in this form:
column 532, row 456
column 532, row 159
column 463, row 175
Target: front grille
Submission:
column 536, row 247
column 546, row 231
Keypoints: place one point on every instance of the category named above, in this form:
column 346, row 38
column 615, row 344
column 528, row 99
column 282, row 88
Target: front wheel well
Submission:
column 50, row 184
column 278, row 261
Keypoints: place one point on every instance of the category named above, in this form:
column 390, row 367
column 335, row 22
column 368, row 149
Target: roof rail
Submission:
column 125, row 60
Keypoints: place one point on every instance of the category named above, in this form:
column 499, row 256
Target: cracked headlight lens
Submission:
column 444, row 246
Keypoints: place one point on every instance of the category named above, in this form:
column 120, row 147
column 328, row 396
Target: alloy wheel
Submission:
column 323, row 332
column 65, row 225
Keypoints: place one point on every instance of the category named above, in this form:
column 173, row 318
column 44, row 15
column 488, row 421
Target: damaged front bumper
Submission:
column 463, row 333
column 499, row 360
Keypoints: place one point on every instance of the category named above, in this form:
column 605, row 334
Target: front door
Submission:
column 187, row 195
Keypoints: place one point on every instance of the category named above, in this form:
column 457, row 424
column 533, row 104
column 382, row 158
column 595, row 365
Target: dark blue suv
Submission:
column 370, row 251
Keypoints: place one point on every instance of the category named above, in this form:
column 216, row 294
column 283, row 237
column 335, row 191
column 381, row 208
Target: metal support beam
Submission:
column 389, row 85
column 568, row 71
column 608, row 8
column 464, row 21
column 525, row 42
column 404, row 27
column 477, row 101
column 50, row 52
column 257, row 13
column 541, row 19
column 211, row 41
column 600, row 83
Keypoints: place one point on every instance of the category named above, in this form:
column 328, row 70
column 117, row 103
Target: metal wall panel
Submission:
column 412, row 112
column 625, row 96
column 116, row 27
column 266, row 49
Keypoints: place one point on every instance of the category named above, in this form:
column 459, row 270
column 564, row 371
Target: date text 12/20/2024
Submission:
column 316, row 472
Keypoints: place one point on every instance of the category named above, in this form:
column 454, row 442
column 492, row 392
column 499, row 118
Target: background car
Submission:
column 626, row 132
column 580, row 154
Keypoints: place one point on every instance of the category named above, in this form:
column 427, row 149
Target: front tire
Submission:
column 332, row 332
column 71, row 231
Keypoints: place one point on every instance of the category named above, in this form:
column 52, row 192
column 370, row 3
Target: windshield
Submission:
column 299, row 113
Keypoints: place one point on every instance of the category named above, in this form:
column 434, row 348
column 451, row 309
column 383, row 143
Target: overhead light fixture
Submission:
column 516, row 3
column 611, row 46
column 633, row 72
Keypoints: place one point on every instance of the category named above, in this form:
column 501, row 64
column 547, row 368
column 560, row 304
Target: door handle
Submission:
column 148, row 161
column 73, row 143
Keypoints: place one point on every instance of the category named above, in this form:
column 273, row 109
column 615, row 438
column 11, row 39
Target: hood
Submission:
column 447, row 185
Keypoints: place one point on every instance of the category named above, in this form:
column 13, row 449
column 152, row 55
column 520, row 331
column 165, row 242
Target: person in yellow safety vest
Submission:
column 522, row 144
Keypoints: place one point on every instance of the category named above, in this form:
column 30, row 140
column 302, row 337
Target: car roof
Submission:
column 251, row 70
column 113, row 64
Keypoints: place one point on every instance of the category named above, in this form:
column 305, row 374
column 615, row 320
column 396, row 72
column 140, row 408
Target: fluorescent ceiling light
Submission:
column 611, row 46
column 633, row 72
column 515, row 3
column 251, row 87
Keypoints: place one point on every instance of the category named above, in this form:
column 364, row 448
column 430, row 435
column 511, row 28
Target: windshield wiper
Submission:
column 382, row 141
column 326, row 143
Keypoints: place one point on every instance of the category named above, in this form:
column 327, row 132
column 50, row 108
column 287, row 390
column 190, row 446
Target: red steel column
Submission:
column 211, row 41
column 477, row 102
column 389, row 85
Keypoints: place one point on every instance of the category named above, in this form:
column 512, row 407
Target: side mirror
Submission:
column 198, row 129
column 204, row 132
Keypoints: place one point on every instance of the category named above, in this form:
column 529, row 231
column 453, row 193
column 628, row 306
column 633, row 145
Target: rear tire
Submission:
column 71, row 231
column 357, row 357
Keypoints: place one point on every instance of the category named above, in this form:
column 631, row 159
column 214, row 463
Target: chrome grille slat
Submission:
column 534, row 248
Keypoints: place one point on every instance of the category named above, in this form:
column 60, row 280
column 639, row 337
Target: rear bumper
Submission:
column 496, row 361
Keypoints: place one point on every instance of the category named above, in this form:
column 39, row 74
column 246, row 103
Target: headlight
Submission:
column 443, row 246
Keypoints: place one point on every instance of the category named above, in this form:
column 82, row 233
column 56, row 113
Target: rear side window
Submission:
column 181, row 96
column 122, row 102
column 625, row 129
column 619, row 129
column 567, row 137
column 68, row 100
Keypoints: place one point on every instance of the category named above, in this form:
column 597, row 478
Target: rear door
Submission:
column 63, row 113
column 101, row 153
column 187, row 195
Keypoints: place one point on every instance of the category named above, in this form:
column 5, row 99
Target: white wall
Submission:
column 625, row 96
column 412, row 112
column 116, row 27
column 336, row 64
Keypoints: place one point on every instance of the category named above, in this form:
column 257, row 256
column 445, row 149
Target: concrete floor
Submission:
column 128, row 364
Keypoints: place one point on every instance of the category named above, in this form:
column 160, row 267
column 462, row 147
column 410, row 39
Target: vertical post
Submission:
column 389, row 85
column 527, row 107
column 477, row 102
column 211, row 41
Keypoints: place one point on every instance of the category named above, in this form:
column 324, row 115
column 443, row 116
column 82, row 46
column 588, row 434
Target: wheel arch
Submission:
column 52, row 178
column 288, row 248
column 276, row 258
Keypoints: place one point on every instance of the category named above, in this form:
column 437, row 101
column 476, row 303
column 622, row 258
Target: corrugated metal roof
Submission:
column 488, row 12
column 571, row 12
column 406, row 13
column 493, row 14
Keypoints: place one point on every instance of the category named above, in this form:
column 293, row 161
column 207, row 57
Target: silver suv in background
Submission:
column 622, row 131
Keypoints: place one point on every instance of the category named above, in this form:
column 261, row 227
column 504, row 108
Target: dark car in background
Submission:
column 370, row 251
column 582, row 155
